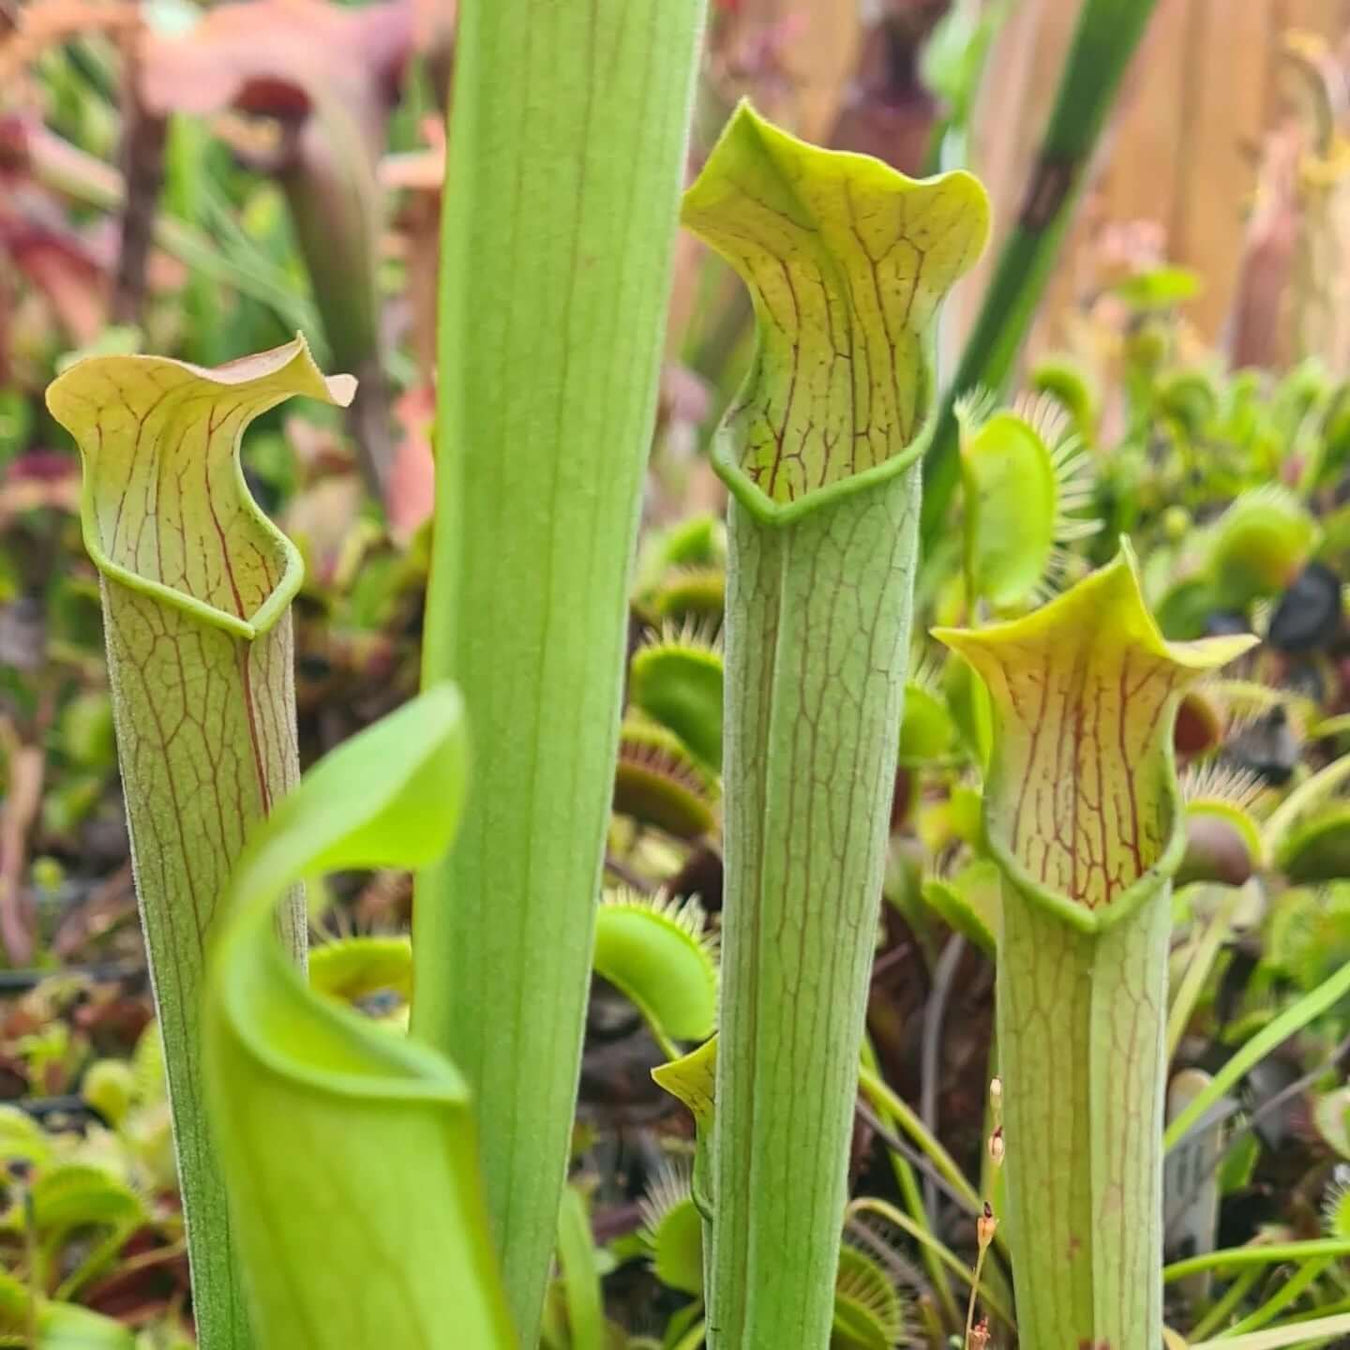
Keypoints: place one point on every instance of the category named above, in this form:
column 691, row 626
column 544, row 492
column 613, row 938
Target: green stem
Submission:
column 846, row 262
column 1289, row 1292
column 1232, row 1297
column 1087, row 1235
column 808, row 788
column 1107, row 35
column 1256, row 1255
column 1199, row 966
column 567, row 144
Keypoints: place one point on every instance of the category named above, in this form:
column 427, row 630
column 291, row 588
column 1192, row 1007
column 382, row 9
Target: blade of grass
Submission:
column 1298, row 1333
column 1255, row 1255
column 1232, row 1297
column 1294, row 1018
column 1289, row 1292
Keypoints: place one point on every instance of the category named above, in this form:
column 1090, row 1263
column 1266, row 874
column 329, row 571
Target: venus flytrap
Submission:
column 196, row 585
column 1084, row 817
column 846, row 262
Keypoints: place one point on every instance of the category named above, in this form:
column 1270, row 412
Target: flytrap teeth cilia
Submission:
column 676, row 678
column 1217, row 781
column 698, row 591
column 659, row 953
column 657, row 781
column 1336, row 1204
column 672, row 1228
column 700, row 631
column 869, row 1309
column 974, row 408
column 1223, row 839
column 1073, row 467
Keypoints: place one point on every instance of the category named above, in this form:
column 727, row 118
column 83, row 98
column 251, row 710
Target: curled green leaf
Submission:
column 369, row 1137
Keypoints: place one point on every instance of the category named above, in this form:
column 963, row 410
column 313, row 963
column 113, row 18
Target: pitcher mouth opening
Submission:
column 165, row 509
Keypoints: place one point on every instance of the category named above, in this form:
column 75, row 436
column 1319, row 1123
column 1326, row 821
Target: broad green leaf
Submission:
column 580, row 1276
column 356, row 1207
column 846, row 262
column 196, row 583
column 568, row 141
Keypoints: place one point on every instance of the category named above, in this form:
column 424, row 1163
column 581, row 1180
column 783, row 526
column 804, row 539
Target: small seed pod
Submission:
column 996, row 1147
column 986, row 1226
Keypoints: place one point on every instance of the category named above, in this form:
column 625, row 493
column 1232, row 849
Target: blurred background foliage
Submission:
column 202, row 181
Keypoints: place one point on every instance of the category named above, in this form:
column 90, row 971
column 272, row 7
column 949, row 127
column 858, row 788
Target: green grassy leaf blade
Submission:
column 1291, row 1021
column 567, row 147
column 338, row 1137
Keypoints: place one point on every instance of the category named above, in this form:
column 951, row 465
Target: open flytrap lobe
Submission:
column 846, row 261
column 1085, row 818
column 196, row 584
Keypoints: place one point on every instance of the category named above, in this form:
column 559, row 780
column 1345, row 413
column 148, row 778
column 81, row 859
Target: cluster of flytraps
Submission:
column 348, row 1186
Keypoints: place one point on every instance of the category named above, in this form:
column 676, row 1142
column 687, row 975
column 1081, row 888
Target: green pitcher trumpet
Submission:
column 1083, row 815
column 196, row 584
column 846, row 261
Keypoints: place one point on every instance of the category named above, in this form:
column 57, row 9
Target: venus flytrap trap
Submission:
column 1085, row 820
column 1025, row 480
column 196, row 585
column 846, row 262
